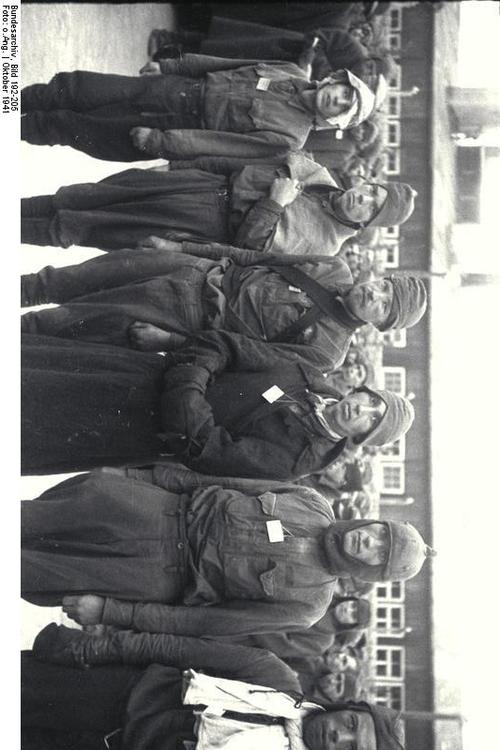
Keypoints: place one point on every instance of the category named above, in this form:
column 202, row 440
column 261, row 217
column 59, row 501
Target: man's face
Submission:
column 340, row 730
column 362, row 203
column 339, row 661
column 356, row 414
column 354, row 375
column 371, row 301
column 369, row 544
column 347, row 612
column 333, row 98
column 331, row 686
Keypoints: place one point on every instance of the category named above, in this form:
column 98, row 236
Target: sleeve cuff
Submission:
column 269, row 205
column 118, row 613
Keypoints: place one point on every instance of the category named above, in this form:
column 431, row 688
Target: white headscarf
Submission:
column 362, row 105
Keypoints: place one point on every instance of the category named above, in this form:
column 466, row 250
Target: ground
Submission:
column 64, row 37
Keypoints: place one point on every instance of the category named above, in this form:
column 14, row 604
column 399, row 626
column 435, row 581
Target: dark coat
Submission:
column 129, row 206
column 204, row 551
column 89, row 405
column 79, row 401
column 237, row 432
column 149, row 698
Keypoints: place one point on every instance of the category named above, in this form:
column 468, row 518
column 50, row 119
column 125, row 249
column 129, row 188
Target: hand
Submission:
column 150, row 69
column 85, row 610
column 140, row 137
column 158, row 243
column 187, row 414
column 148, row 337
column 284, row 190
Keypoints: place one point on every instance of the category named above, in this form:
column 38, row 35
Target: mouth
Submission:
column 357, row 543
column 347, row 411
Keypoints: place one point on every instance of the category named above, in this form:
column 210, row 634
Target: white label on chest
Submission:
column 263, row 84
column 273, row 394
column 275, row 531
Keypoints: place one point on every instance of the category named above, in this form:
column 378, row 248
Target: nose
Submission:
column 339, row 735
column 365, row 409
column 375, row 293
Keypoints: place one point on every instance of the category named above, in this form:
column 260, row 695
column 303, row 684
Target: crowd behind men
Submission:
column 204, row 370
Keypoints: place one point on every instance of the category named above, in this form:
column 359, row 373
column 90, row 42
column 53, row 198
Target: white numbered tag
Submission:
column 275, row 531
column 263, row 84
column 339, row 134
column 273, row 394
column 294, row 289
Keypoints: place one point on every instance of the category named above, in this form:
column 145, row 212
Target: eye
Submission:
column 383, row 556
column 352, row 722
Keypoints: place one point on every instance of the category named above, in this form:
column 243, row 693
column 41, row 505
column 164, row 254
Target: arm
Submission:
column 227, row 618
column 178, row 478
column 259, row 224
column 217, row 251
column 189, row 144
column 65, row 645
column 103, row 272
column 247, row 456
column 226, row 165
column 336, row 49
column 196, row 66
column 217, row 351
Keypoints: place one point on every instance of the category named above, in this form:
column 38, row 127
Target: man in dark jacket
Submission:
column 190, row 107
column 205, row 549
column 134, row 697
column 290, row 205
column 257, row 414
column 152, row 299
column 223, row 403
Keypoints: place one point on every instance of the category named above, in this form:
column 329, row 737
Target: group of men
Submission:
column 195, row 358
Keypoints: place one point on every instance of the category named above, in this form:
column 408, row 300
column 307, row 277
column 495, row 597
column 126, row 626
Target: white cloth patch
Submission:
column 294, row 288
column 275, row 531
column 263, row 84
column 273, row 394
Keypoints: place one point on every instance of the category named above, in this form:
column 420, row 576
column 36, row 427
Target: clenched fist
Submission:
column 140, row 137
column 150, row 69
column 85, row 609
column 284, row 190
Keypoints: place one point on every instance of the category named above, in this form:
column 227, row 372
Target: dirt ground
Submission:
column 64, row 37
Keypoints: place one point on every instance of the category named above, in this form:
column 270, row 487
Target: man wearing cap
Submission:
column 234, row 406
column 288, row 205
column 133, row 696
column 190, row 107
column 153, row 298
column 186, row 553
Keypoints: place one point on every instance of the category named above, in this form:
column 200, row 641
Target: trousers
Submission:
column 63, row 708
column 94, row 112
column 128, row 207
column 103, row 534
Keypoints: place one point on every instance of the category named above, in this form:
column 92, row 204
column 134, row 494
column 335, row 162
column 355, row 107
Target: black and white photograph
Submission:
column 258, row 428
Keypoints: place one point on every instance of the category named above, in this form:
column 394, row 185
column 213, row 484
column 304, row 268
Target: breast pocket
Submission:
column 249, row 577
